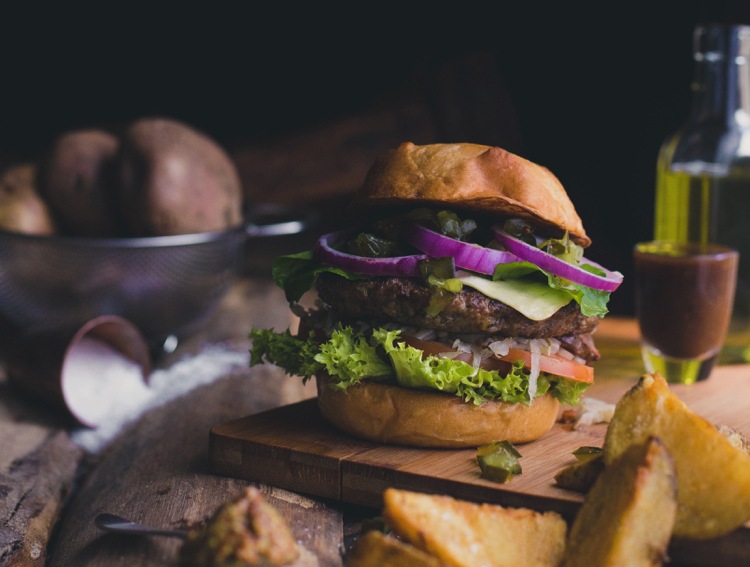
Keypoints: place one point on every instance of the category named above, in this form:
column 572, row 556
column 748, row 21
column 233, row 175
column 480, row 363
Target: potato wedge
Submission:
column 462, row 533
column 735, row 437
column 713, row 475
column 580, row 475
column 628, row 515
column 375, row 549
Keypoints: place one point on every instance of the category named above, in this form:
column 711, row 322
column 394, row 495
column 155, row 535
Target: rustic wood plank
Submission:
column 38, row 465
column 302, row 452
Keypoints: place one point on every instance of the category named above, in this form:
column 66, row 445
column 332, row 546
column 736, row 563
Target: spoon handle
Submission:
column 116, row 524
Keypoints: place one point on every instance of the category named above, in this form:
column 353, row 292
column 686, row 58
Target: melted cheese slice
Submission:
column 537, row 301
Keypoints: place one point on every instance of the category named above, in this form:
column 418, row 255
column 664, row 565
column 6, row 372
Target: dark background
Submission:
column 589, row 91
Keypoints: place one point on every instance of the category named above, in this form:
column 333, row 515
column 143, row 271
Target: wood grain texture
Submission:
column 314, row 459
column 311, row 457
column 38, row 465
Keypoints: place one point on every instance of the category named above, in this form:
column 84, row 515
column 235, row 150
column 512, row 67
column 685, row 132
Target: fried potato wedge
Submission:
column 735, row 437
column 462, row 533
column 628, row 515
column 580, row 475
column 375, row 549
column 713, row 475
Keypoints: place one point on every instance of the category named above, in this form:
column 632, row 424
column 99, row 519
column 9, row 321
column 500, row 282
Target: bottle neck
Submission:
column 721, row 79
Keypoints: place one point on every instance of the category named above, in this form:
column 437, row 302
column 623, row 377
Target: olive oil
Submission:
column 700, row 203
column 703, row 169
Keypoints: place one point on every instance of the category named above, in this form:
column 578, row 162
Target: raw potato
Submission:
column 627, row 516
column 76, row 181
column 713, row 475
column 375, row 549
column 176, row 180
column 21, row 207
column 466, row 534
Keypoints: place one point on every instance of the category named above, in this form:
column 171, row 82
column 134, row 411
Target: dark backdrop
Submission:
column 589, row 91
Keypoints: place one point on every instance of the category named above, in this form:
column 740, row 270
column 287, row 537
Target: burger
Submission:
column 454, row 308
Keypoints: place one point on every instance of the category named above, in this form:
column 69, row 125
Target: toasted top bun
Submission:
column 471, row 176
column 394, row 415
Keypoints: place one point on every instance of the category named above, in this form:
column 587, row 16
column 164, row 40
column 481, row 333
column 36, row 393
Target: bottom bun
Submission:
column 401, row 416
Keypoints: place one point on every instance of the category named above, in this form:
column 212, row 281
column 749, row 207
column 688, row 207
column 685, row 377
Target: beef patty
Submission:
column 405, row 300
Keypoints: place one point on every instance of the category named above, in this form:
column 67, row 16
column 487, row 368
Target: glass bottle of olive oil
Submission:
column 703, row 170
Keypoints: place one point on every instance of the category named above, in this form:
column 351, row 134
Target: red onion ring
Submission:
column 405, row 266
column 465, row 254
column 549, row 263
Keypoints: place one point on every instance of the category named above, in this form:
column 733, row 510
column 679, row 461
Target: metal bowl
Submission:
column 165, row 285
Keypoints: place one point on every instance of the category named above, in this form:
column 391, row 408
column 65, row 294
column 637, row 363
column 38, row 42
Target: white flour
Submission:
column 106, row 389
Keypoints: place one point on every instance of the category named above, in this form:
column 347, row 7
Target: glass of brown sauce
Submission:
column 684, row 296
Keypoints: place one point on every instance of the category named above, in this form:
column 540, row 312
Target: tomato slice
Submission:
column 552, row 364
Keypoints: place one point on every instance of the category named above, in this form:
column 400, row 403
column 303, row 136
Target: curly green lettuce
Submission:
column 350, row 357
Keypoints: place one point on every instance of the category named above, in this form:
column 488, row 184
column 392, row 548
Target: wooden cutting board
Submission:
column 292, row 447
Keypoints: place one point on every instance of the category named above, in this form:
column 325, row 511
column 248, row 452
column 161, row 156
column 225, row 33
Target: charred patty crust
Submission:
column 404, row 300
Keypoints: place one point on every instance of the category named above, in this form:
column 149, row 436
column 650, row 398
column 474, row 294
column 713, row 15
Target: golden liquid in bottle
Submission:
column 696, row 203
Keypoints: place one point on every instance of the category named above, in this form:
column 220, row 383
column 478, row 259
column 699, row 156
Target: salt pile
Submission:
column 94, row 373
column 106, row 390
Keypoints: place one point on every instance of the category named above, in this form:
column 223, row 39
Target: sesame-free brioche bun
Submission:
column 393, row 415
column 471, row 176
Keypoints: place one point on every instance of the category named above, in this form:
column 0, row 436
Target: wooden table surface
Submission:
column 156, row 471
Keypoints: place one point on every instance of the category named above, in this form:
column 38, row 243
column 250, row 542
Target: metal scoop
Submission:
column 117, row 524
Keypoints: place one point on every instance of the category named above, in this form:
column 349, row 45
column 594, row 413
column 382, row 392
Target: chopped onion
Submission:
column 501, row 348
column 534, row 374
column 549, row 263
column 535, row 346
column 461, row 346
column 565, row 354
column 406, row 266
column 465, row 254
column 552, row 346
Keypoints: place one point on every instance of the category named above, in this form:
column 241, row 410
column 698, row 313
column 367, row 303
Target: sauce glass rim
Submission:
column 680, row 249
